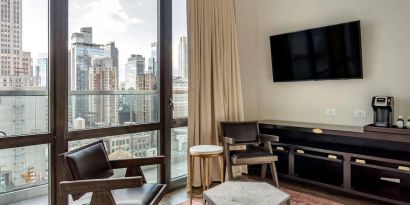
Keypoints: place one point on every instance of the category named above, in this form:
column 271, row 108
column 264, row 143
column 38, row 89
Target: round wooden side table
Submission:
column 204, row 152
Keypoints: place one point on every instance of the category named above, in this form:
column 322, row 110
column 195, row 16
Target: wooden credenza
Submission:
column 366, row 161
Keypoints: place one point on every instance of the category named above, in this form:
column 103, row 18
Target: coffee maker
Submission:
column 383, row 108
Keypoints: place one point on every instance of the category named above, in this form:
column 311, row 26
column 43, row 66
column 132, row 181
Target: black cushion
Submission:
column 136, row 196
column 89, row 162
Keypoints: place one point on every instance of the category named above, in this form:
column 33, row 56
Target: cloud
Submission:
column 106, row 16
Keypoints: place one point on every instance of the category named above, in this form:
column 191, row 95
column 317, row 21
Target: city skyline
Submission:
column 131, row 17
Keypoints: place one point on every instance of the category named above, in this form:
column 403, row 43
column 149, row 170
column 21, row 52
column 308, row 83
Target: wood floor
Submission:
column 181, row 195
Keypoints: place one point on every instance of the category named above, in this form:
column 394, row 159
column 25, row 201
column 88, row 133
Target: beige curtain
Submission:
column 215, row 92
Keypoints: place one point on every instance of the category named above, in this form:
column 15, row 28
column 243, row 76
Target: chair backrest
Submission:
column 88, row 162
column 241, row 132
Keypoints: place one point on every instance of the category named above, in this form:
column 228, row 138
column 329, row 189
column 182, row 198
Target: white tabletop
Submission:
column 245, row 193
column 206, row 149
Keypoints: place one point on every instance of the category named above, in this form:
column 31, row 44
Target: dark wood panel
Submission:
column 22, row 141
column 346, row 131
column 318, row 157
column 112, row 131
column 389, row 160
column 338, row 143
column 327, row 151
column 376, row 182
column 389, row 130
column 380, row 167
column 386, row 137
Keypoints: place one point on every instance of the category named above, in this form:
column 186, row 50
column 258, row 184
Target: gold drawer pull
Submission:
column 361, row 161
column 317, row 131
column 280, row 148
column 388, row 179
column 300, row 151
column 404, row 168
column 330, row 156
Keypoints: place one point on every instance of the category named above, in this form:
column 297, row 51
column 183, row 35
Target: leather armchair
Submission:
column 88, row 169
column 247, row 133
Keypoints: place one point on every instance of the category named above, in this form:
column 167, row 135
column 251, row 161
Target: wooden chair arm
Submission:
column 126, row 163
column 228, row 140
column 99, row 185
column 269, row 138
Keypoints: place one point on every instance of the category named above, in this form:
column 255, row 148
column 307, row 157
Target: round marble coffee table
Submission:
column 245, row 193
column 204, row 152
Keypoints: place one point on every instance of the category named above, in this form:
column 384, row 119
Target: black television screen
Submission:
column 331, row 52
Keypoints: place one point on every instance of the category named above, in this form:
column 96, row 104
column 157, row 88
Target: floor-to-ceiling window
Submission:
column 114, row 76
column 24, row 101
column 106, row 77
column 179, row 133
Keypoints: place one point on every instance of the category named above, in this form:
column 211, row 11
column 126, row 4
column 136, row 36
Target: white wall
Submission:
column 386, row 59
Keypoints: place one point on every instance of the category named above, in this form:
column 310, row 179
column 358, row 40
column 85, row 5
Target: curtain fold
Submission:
column 215, row 92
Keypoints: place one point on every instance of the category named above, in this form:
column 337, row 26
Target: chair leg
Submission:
column 230, row 173
column 191, row 177
column 263, row 170
column 203, row 173
column 274, row 174
column 221, row 167
column 228, row 164
column 206, row 173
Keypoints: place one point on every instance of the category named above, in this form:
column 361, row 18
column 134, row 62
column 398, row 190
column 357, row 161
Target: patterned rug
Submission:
column 296, row 198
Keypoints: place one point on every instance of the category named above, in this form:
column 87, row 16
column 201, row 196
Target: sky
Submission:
column 131, row 24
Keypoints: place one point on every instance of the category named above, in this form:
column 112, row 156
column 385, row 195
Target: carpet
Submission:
column 296, row 198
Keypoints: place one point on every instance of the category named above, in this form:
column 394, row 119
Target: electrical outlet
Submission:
column 360, row 113
column 330, row 112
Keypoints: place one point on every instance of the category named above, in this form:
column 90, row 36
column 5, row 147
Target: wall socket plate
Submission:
column 360, row 113
column 330, row 112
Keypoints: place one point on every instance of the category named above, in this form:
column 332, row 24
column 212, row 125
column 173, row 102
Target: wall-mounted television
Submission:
column 325, row 53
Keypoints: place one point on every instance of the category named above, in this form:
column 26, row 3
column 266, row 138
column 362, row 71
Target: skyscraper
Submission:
column 183, row 57
column 152, row 60
column 144, row 103
column 41, row 68
column 153, row 69
column 11, row 42
column 83, row 52
column 103, row 76
column 85, row 36
column 14, row 61
column 180, row 97
column 135, row 66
